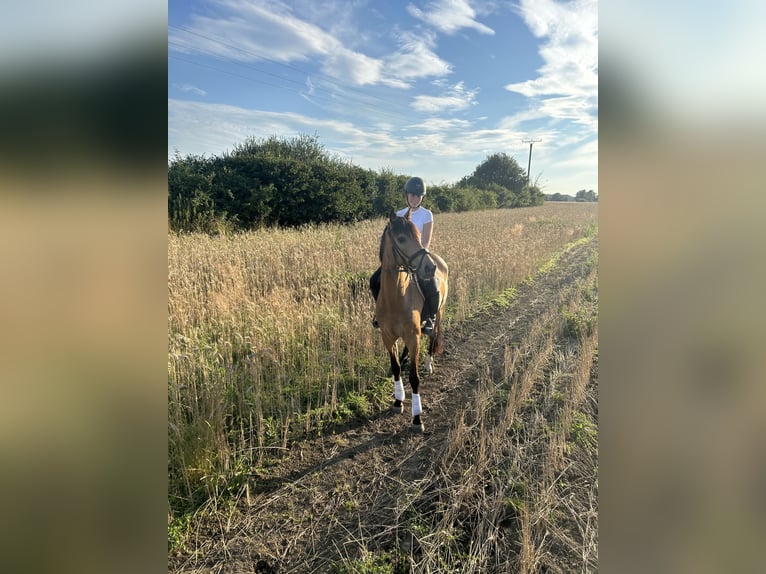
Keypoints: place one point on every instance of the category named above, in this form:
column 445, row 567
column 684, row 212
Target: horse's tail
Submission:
column 437, row 345
column 438, row 340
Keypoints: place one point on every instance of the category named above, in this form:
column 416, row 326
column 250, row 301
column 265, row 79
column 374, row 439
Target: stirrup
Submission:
column 428, row 326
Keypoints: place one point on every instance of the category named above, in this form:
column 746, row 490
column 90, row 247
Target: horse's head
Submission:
column 406, row 248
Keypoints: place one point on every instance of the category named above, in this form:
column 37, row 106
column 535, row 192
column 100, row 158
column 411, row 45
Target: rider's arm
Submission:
column 425, row 237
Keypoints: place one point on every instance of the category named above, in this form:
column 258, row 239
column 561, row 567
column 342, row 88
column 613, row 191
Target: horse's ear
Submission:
column 392, row 215
column 407, row 215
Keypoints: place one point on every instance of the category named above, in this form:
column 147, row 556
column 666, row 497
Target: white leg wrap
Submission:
column 399, row 390
column 416, row 409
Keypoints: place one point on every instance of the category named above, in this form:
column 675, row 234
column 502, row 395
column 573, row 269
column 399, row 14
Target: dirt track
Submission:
column 361, row 489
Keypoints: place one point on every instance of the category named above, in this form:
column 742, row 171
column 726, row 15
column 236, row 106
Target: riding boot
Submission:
column 431, row 305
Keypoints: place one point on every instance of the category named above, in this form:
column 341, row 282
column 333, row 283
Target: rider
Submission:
column 414, row 191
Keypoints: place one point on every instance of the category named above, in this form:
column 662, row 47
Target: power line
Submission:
column 318, row 99
column 241, row 50
column 363, row 101
column 200, row 64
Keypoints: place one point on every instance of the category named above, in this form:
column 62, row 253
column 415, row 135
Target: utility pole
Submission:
column 529, row 166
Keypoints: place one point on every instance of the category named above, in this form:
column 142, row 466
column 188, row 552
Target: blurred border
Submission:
column 83, row 295
column 682, row 463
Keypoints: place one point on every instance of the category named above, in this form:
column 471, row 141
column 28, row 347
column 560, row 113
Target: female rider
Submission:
column 414, row 190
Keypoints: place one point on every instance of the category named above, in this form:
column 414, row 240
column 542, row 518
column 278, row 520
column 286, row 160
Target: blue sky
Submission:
column 421, row 87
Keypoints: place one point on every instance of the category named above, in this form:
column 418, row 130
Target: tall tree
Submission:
column 499, row 169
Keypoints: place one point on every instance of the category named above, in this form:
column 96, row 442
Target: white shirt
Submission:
column 419, row 216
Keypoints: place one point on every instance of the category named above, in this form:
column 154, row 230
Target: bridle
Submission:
column 405, row 263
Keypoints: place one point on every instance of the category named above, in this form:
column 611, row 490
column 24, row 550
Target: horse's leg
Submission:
column 435, row 339
column 414, row 344
column 434, row 343
column 429, row 366
column 404, row 357
column 396, row 370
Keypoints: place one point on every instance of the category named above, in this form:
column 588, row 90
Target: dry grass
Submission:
column 516, row 487
column 269, row 335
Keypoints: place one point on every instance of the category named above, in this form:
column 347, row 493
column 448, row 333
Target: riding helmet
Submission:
column 415, row 186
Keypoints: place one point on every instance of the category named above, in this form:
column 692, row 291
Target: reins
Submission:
column 409, row 264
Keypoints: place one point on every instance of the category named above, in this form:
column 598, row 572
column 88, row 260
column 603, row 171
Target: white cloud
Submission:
column 309, row 86
column 199, row 128
column 348, row 65
column 456, row 98
column 268, row 30
column 566, row 88
column 568, row 82
column 416, row 59
column 442, row 125
column 581, row 157
column 204, row 128
column 190, row 89
column 248, row 32
column 261, row 30
column 572, row 108
column 449, row 16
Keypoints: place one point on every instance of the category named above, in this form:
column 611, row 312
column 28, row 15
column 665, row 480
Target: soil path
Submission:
column 332, row 492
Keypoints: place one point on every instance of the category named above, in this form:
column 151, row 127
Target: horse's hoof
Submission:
column 419, row 429
column 397, row 408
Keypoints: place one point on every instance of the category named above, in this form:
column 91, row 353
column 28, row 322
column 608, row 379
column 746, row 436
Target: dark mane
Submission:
column 380, row 253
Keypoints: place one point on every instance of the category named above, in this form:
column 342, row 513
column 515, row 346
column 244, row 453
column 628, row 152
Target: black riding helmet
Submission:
column 415, row 186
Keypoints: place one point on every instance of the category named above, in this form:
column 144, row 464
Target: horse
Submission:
column 400, row 302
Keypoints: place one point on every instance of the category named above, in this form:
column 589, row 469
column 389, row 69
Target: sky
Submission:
column 419, row 87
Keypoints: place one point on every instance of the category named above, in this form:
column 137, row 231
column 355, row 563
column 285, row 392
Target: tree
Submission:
column 292, row 182
column 191, row 202
column 583, row 195
column 499, row 169
column 389, row 191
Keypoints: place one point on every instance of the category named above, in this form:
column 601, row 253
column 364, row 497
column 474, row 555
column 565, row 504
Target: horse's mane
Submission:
column 380, row 253
column 398, row 222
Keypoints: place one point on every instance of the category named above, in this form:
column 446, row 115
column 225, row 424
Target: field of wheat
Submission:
column 269, row 332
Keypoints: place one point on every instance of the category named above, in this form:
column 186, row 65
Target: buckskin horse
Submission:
column 400, row 302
